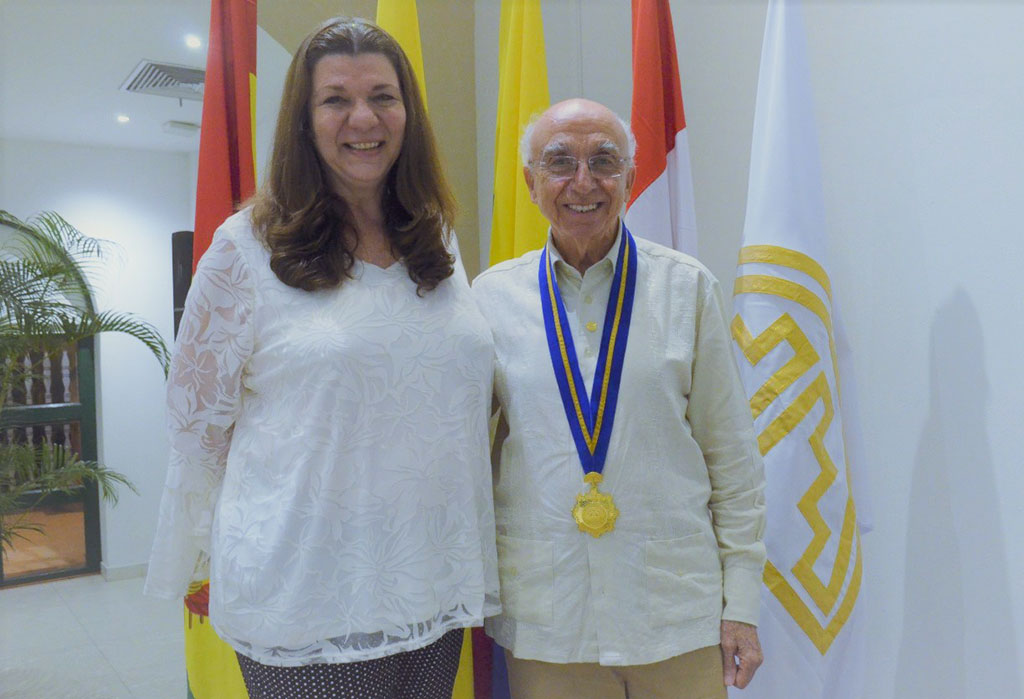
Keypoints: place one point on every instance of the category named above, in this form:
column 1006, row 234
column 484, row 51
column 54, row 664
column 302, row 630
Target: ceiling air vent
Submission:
column 166, row 80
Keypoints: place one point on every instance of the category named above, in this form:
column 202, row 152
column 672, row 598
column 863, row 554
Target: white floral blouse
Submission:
column 329, row 456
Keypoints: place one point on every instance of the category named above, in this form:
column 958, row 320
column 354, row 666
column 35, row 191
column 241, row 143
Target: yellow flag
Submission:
column 211, row 666
column 399, row 19
column 463, row 688
column 518, row 225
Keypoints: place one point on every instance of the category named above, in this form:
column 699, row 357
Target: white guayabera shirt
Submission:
column 329, row 454
column 683, row 467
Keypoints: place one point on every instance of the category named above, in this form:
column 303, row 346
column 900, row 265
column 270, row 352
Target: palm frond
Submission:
column 49, row 242
column 27, row 287
column 53, row 468
column 44, row 291
column 87, row 325
column 29, row 474
column 67, row 237
column 13, row 526
column 47, row 304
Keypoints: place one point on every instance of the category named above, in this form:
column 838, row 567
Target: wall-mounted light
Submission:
column 122, row 119
column 193, row 41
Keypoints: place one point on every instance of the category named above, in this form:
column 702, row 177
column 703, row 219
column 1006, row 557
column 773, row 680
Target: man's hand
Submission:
column 741, row 653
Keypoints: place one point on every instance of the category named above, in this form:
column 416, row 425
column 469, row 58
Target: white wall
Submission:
column 272, row 61
column 918, row 108
column 135, row 199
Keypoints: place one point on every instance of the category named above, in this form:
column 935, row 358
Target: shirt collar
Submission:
column 564, row 268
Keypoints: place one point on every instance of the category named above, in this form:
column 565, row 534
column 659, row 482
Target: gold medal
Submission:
column 595, row 512
column 591, row 416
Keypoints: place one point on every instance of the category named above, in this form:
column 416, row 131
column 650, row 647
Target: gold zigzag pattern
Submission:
column 805, row 358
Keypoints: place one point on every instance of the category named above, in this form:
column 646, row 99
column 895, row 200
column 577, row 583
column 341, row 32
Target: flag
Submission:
column 227, row 177
column 785, row 330
column 227, row 168
column 517, row 225
column 661, row 204
column 400, row 19
column 211, row 666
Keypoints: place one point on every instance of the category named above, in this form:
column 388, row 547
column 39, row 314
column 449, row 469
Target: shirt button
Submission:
column 588, row 299
column 588, row 352
column 591, row 326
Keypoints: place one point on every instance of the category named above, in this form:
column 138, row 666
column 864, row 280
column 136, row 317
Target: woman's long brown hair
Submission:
column 307, row 227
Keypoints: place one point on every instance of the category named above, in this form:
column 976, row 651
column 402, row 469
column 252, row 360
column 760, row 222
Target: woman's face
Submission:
column 358, row 120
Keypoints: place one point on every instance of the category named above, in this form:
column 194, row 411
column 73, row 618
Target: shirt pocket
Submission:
column 684, row 579
column 526, row 572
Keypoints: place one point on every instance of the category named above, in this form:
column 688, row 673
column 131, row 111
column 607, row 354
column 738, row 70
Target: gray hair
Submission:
column 524, row 142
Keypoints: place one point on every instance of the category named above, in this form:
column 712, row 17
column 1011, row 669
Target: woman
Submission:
column 328, row 400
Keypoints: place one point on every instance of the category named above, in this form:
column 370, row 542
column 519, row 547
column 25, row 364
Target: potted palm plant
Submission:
column 46, row 305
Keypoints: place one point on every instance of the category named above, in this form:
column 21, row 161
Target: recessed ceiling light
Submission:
column 122, row 119
column 193, row 41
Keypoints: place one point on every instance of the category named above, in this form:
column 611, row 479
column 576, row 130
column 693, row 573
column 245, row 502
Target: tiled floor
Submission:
column 87, row 638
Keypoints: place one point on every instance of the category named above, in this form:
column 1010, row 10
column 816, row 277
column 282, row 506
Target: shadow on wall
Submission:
column 958, row 632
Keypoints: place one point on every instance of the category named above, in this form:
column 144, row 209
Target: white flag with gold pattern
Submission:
column 786, row 346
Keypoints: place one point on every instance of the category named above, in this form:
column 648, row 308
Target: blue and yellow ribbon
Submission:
column 590, row 418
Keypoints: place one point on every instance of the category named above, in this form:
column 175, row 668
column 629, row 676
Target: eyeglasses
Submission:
column 562, row 167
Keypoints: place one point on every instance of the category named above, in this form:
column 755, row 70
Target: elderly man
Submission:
column 628, row 484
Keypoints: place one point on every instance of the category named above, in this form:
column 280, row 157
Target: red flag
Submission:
column 661, row 206
column 227, row 177
column 227, row 174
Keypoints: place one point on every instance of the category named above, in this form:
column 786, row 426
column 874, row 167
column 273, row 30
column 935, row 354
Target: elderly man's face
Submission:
column 582, row 206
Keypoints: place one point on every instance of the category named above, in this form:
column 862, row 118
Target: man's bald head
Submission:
column 579, row 170
column 567, row 110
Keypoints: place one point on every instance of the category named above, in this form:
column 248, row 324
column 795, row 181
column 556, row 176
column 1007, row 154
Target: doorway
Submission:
column 53, row 400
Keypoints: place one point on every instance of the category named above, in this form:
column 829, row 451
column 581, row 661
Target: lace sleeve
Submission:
column 203, row 395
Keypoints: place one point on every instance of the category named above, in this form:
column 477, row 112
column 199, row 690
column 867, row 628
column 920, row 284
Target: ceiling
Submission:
column 62, row 63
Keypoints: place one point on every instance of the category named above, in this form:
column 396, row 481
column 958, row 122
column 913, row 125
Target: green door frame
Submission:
column 83, row 412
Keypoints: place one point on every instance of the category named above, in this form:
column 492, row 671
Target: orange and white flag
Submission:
column 661, row 205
